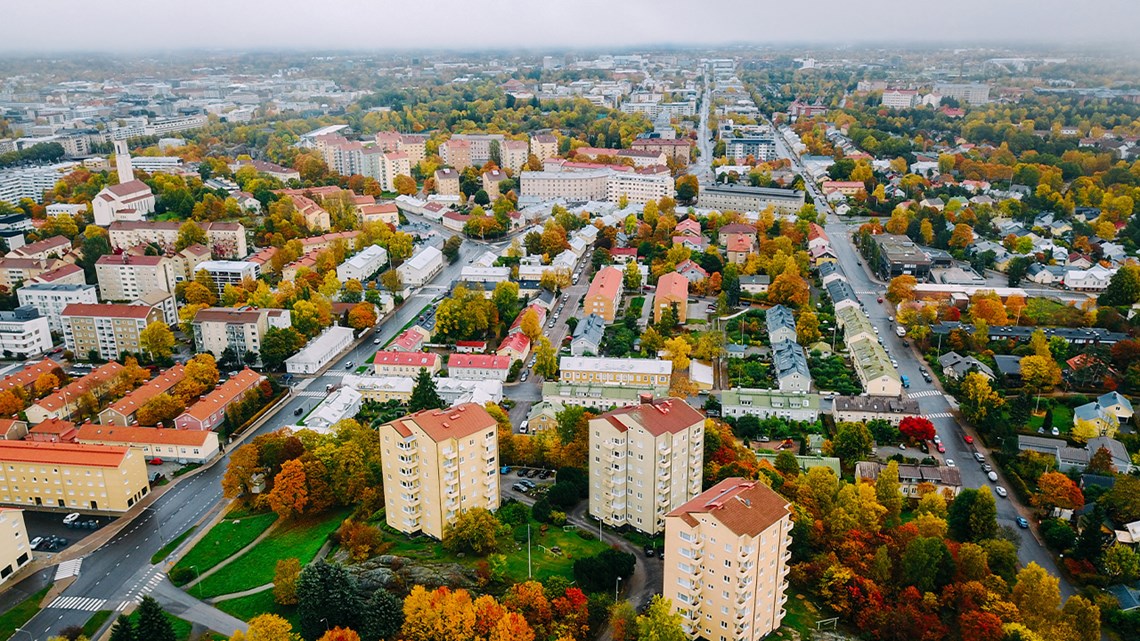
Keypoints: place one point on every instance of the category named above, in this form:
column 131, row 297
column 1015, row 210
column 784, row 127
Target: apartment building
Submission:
column 764, row 403
column 209, row 412
column 514, row 154
column 899, row 98
column 478, row 367
column 678, row 149
column 615, row 371
column 16, row 271
column 414, row 146
column 672, row 290
column 50, row 299
column 123, row 411
column 580, row 182
column 107, row 329
column 225, row 240
column 727, row 554
column 742, row 198
column 349, row 157
column 183, row 446
column 15, row 548
column 645, row 460
column 64, row 402
column 24, row 333
column 71, row 475
column 238, row 328
column 456, row 153
column 229, row 272
column 54, row 247
column 462, row 150
column 604, row 296
column 363, row 265
column 438, row 464
column 447, row 182
column 422, row 267
column 126, row 277
column 543, row 146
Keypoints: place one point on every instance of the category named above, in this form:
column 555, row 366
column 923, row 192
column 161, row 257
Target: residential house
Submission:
column 210, row 411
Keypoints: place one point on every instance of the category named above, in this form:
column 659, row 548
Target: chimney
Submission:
column 645, row 398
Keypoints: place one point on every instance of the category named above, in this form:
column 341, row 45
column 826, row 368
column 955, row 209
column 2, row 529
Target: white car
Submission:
column 1000, row 491
column 949, row 462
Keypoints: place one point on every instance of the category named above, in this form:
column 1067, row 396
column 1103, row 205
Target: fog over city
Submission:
column 138, row 25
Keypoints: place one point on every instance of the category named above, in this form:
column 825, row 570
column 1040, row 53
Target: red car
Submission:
column 156, row 461
column 969, row 439
column 880, row 299
column 941, row 448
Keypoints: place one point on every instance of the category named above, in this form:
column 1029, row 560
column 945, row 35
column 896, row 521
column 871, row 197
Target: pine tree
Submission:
column 424, row 396
column 123, row 630
column 153, row 624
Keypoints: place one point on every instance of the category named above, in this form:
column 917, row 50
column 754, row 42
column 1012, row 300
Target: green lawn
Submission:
column 801, row 617
column 95, row 622
column 247, row 607
column 165, row 550
column 1062, row 419
column 21, row 614
column 181, row 627
column 223, row 540
column 300, row 539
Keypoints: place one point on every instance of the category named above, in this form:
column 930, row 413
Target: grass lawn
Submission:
column 1062, row 419
column 247, row 607
column 224, row 539
column 543, row 562
column 95, row 622
column 300, row 539
column 21, row 614
column 181, row 627
column 165, row 550
column 801, row 617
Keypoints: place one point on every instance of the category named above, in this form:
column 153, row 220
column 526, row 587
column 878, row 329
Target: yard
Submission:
column 247, row 607
column 750, row 372
column 832, row 373
column 300, row 539
column 800, row 620
column 749, row 328
column 221, row 542
column 1062, row 420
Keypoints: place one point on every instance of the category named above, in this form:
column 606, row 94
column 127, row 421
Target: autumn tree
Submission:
column 852, row 442
column 530, row 324
column 157, row 340
column 529, row 599
column 1040, row 373
column 438, row 614
column 1037, row 595
column 405, row 185
column 1054, row 489
column 44, row 384
column 659, row 623
column 161, row 408
column 631, row 276
column 290, row 493
column 789, row 288
column 889, row 493
column 973, row 515
column 807, row 327
column 190, row 233
column 362, row 315
column 392, row 281
column 917, row 428
column 244, row 464
column 546, row 360
column 962, row 236
column 474, row 531
column 678, row 350
column 285, row 576
column 901, row 289
column 979, row 400
column 623, row 622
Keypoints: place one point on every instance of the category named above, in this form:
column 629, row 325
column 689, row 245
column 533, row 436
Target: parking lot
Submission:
column 49, row 524
column 528, row 476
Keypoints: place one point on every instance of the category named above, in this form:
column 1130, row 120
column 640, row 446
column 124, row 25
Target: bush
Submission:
column 558, row 518
column 587, row 535
column 577, row 477
column 563, row 495
column 513, row 513
column 1058, row 535
column 182, row 576
column 541, row 510
column 475, row 531
column 361, row 541
column 599, row 573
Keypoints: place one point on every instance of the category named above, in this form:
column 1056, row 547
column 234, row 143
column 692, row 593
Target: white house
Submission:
column 363, row 265
column 1093, row 279
column 418, row 270
column 320, row 351
column 478, row 367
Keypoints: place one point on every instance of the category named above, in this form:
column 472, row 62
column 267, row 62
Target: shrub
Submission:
column 557, row 518
column 563, row 495
column 181, row 576
column 587, row 535
column 361, row 540
column 541, row 510
column 600, row 572
column 513, row 514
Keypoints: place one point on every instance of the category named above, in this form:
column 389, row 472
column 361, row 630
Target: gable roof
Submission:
column 746, row 508
column 659, row 416
column 441, row 425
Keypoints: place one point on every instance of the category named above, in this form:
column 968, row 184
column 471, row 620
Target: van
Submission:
column 900, row 330
column 905, row 381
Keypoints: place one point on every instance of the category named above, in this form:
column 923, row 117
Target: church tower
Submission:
column 123, row 162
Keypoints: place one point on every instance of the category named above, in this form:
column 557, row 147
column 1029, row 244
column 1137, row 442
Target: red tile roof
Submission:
column 131, row 403
column 421, row 359
column 666, row 415
column 225, row 394
column 140, row 435
column 672, row 285
column 518, row 342
column 740, row 243
column 107, row 310
column 62, row 271
column 745, row 507
column 440, row 425
column 55, row 426
column 27, row 376
column 478, row 361
column 42, row 453
column 607, row 284
column 71, row 393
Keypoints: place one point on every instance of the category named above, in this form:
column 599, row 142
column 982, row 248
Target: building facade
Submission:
column 740, row 198
column 50, row 299
column 616, row 371
column 70, row 475
column 24, row 333
column 604, row 296
column 106, row 329
column 15, row 548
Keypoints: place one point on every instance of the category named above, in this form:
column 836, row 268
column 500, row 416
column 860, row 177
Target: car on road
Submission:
column 376, row 342
column 969, row 439
column 937, row 438
column 1000, row 491
column 879, row 299
column 299, row 411
column 987, row 468
column 926, row 377
column 1022, row 523
column 895, row 363
column 992, row 476
column 506, row 469
column 533, row 360
column 522, row 379
column 349, row 365
column 979, row 457
column 649, row 552
column 949, row 462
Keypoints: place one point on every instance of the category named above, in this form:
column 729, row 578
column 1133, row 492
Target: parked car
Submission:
column 949, row 462
column 37, row 542
column 649, row 552
column 941, row 448
column 521, row 472
column 506, row 469
column 992, row 476
column 987, row 468
column 529, row 484
column 1022, row 523
column 299, row 411
column 531, row 474
column 71, row 518
column 376, row 342
column 979, row 457
column 1000, row 491
column 519, row 487
column 968, row 438
column 156, row 461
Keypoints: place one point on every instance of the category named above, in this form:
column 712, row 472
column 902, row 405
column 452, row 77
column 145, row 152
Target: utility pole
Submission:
column 529, row 574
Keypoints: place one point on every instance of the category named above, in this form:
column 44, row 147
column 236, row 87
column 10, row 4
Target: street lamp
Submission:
column 617, row 584
column 25, row 632
column 197, row 580
column 326, row 622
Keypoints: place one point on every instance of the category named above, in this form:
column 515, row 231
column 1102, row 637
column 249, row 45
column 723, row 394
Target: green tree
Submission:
column 1123, row 288
column 631, row 277
column 424, row 394
column 123, row 630
column 157, row 340
column 382, row 617
column 278, row 345
column 153, row 625
column 546, row 360
column 326, row 598
column 474, row 531
column 659, row 623
column 852, row 442
column 392, row 281
column 973, row 515
column 451, row 248
column 191, row 233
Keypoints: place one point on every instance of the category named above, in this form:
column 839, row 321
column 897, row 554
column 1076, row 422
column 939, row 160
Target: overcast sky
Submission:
column 150, row 25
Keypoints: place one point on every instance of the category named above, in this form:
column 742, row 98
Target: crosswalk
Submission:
column 924, row 393
column 68, row 569
column 311, row 394
column 940, row 415
column 77, row 603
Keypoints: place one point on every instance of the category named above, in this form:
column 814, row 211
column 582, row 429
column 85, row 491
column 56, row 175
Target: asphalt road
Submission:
column 120, row 571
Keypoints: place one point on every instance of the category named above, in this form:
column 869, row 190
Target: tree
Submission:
column 917, row 428
column 962, row 236
column 687, row 188
column 157, row 340
column 807, row 328
column 1121, row 563
column 1037, row 596
column 340, row 634
column 1040, row 373
column 852, row 442
column 451, row 248
column 631, row 277
column 268, row 627
column 245, row 462
column 439, row 614
column 529, row 599
column 203, row 370
column 546, row 360
column 530, row 324
column 659, row 623
column 392, row 281
column 362, row 315
column 601, row 571
column 326, row 598
column 405, row 185
column 1123, row 288
column 1123, row 501
column 973, row 515
column 424, row 395
column 152, row 623
column 196, row 293
column 290, row 493
column 382, row 617
column 678, row 350
column 789, row 288
column 123, row 630
column 44, row 384
column 888, row 492
column 475, row 531
column 279, row 344
column 1101, row 462
column 162, row 408
column 901, row 289
column 1057, row 490
column 285, row 577
column 191, row 233
column 979, row 399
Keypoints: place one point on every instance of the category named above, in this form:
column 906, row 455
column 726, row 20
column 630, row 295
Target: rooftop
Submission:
column 659, row 416
column 746, row 508
column 453, row 423
column 41, row 453
column 150, row 435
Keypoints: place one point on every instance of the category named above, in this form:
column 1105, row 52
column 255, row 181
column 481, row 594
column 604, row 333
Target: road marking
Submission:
column 77, row 603
column 924, row 393
column 940, row 415
column 68, row 569
column 311, row 394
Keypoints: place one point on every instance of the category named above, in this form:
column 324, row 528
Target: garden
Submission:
column 833, row 374
column 751, row 372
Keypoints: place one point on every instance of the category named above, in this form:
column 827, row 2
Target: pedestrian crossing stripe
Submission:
column 68, row 569
column 77, row 603
column 924, row 393
column 940, row 415
column 311, row 394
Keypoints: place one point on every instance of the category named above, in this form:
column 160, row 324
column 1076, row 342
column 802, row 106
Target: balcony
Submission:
column 783, row 599
column 449, row 454
column 662, row 500
column 744, row 569
column 408, row 472
column 743, row 553
column 783, row 613
column 665, row 450
column 787, row 557
column 663, row 463
column 409, row 460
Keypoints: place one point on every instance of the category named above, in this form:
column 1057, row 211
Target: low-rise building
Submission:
column 873, row 366
column 183, row 446
column 224, row 239
column 209, row 412
column 343, row 403
column 418, row 270
column 596, row 396
column 54, row 247
column 50, row 299
column 790, row 366
column 616, row 371
column 765, row 403
column 754, row 285
column 53, row 430
column 588, row 335
column 648, row 460
column 72, row 475
column 741, row 198
column 781, row 324
column 859, row 409
column 912, row 478
column 381, row 389
column 899, row 255
column 64, row 403
column 363, row 265
column 515, row 346
column 604, row 296
column 393, row 363
column 956, row 366
column 107, row 330
column 439, row 464
column 320, row 351
column 124, row 411
column 672, row 290
column 744, row 530
column 478, row 367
